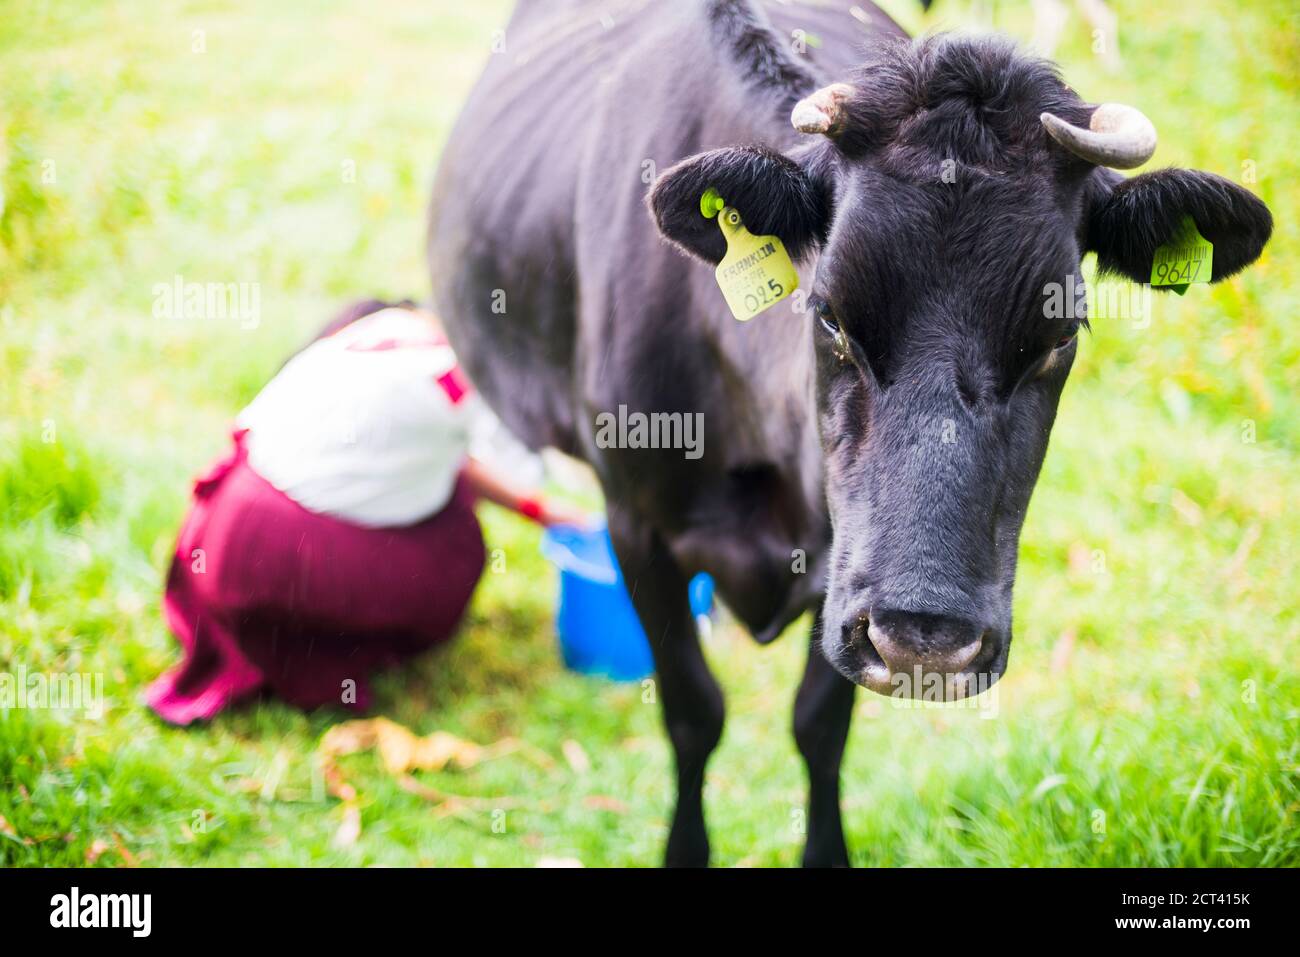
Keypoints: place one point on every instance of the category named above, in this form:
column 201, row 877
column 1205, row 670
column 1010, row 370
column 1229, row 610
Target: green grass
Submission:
column 1151, row 714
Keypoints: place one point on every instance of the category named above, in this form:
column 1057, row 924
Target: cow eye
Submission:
column 826, row 316
column 1068, row 336
column 831, row 326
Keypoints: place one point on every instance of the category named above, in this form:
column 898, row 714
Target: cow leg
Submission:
column 822, row 710
column 692, row 700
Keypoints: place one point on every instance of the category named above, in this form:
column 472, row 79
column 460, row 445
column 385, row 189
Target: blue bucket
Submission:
column 598, row 627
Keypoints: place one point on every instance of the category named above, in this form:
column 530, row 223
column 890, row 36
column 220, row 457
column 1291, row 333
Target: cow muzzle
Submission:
column 904, row 654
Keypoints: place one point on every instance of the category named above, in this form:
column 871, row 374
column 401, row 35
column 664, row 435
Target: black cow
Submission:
column 870, row 449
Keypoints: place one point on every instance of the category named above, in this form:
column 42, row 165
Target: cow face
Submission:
column 952, row 192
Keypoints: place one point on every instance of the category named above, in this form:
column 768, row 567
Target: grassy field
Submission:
column 1151, row 713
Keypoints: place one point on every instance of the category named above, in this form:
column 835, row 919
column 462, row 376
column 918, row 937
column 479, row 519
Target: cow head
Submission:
column 944, row 193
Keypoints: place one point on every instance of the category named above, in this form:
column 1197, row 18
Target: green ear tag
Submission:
column 756, row 273
column 711, row 203
column 1188, row 257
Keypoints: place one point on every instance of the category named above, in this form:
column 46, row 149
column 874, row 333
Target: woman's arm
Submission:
column 487, row 484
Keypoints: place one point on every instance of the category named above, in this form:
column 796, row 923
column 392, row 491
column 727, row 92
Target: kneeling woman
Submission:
column 338, row 536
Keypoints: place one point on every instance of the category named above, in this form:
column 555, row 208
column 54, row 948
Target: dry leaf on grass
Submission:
column 1237, row 565
column 335, row 784
column 128, row 858
column 350, row 829
column 1186, row 508
column 246, row 785
column 576, row 756
column 1062, row 651
column 602, row 802
column 401, row 750
column 1079, row 559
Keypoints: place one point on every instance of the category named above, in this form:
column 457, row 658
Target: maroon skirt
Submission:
column 264, row 595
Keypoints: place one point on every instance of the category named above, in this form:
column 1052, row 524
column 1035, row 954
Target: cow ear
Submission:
column 1127, row 223
column 773, row 194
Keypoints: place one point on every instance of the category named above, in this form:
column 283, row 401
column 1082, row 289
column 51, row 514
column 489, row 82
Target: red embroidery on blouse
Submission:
column 455, row 384
column 453, row 381
column 388, row 345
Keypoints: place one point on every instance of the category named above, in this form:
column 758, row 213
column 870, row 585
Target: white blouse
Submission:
column 370, row 424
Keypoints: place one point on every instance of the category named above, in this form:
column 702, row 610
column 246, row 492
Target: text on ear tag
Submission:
column 756, row 273
column 1188, row 257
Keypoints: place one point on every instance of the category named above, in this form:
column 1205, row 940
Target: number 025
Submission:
column 764, row 295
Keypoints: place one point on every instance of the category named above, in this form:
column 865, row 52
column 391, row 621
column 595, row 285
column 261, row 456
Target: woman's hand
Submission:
column 494, row 488
column 561, row 513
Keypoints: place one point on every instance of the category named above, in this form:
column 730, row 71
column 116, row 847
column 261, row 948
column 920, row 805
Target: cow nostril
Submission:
column 903, row 645
column 866, row 653
column 964, row 655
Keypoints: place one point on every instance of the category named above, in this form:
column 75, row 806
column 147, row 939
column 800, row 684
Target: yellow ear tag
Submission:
column 1188, row 257
column 756, row 273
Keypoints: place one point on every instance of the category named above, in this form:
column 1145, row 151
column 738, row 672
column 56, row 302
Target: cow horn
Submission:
column 1118, row 136
column 822, row 111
